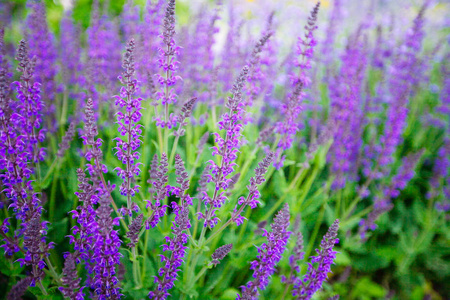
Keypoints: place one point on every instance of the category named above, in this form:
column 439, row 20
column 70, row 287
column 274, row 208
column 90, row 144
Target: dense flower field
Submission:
column 144, row 157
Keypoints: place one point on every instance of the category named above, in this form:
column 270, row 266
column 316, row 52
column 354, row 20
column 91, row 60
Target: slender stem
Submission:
column 64, row 108
column 136, row 269
column 315, row 231
column 143, row 273
column 174, row 150
column 41, row 287
column 51, row 210
column 50, row 170
column 224, row 225
column 116, row 209
column 55, row 275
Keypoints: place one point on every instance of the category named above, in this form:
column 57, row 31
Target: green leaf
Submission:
column 229, row 294
column 342, row 258
column 365, row 288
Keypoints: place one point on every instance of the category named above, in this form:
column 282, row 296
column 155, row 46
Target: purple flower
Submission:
column 305, row 48
column 255, row 75
column 169, row 65
column 269, row 254
column 185, row 113
column 305, row 287
column 253, row 194
column 19, row 143
column 28, row 117
column 220, row 253
column 71, row 280
column 384, row 203
column 36, row 248
column 19, row 289
column 65, row 143
column 84, row 233
column 290, row 111
column 158, row 180
column 227, row 148
column 400, row 85
column 347, row 112
column 128, row 119
column 106, row 256
column 176, row 245
column 94, row 151
column 135, row 228
column 42, row 47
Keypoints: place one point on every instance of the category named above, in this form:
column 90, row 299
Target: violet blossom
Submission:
column 269, row 254
column 311, row 282
column 227, row 148
column 129, row 127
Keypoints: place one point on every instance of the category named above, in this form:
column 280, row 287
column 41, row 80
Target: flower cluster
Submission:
column 305, row 287
column 226, row 148
column 169, row 65
column 42, row 47
column 168, row 273
column 253, row 194
column 128, row 121
column 269, row 254
column 158, row 180
column 220, row 253
column 383, row 203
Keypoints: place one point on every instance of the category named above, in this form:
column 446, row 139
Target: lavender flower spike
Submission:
column 312, row 281
column 19, row 289
column 176, row 245
column 253, row 196
column 71, row 280
column 128, row 126
column 168, row 64
column 106, row 252
column 68, row 137
column 220, row 253
column 227, row 148
column 269, row 254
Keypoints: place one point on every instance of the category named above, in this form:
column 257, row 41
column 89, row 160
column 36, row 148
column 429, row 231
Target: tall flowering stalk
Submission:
column 252, row 199
column 295, row 258
column 227, row 148
column 383, row 203
column 85, row 231
column 288, row 127
column 304, row 288
column 19, row 143
column 158, row 180
column 147, row 44
column 400, row 86
column 106, row 256
column 127, row 120
column 269, row 254
column 169, row 65
column 41, row 43
column 30, row 107
column 176, row 244
column 347, row 111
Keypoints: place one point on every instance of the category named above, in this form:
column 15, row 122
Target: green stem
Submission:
column 143, row 273
column 315, row 231
column 174, row 150
column 136, row 270
column 51, row 211
column 41, row 287
column 50, row 170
